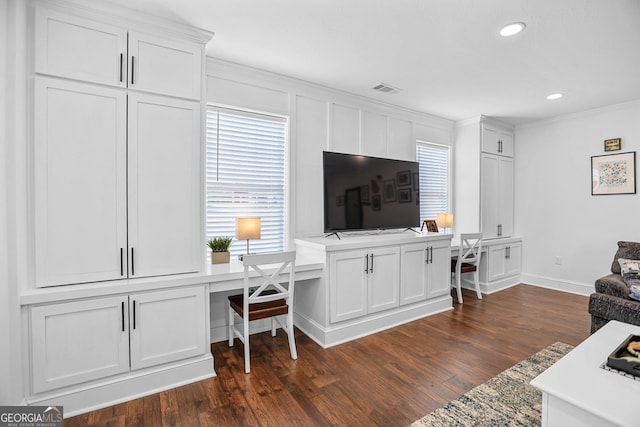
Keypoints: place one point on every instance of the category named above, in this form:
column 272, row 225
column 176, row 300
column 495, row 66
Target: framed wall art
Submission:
column 613, row 174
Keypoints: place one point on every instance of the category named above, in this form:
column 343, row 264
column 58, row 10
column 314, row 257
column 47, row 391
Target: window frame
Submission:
column 449, row 173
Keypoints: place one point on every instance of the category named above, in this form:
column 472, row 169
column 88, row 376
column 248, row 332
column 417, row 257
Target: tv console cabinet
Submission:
column 372, row 283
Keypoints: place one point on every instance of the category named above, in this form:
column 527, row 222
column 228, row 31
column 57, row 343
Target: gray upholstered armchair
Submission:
column 611, row 299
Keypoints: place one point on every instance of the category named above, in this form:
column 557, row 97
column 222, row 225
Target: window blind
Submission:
column 433, row 162
column 245, row 176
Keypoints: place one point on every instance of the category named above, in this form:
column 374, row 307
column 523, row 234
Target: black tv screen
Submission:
column 367, row 193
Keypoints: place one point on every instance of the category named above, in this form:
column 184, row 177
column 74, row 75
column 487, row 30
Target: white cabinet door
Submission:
column 164, row 66
column 164, row 186
column 504, row 261
column 413, row 273
column 76, row 48
column 78, row 341
column 497, row 141
column 439, row 269
column 513, row 259
column 80, row 182
column 497, row 196
column 167, row 326
column 384, row 279
column 348, row 284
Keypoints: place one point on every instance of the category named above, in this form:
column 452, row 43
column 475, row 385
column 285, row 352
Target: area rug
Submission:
column 505, row 400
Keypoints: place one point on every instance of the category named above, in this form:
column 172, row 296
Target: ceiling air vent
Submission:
column 385, row 88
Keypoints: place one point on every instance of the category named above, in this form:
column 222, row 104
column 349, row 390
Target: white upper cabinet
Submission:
column 163, row 66
column 72, row 47
column 497, row 141
column 69, row 46
column 80, row 139
column 164, row 187
column 117, row 134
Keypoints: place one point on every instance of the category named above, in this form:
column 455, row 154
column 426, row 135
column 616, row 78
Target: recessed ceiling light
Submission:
column 555, row 96
column 512, row 29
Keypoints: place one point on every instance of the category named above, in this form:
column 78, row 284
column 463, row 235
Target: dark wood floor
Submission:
column 391, row 378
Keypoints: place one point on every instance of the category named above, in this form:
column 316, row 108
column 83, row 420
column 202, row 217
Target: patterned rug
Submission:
column 505, row 400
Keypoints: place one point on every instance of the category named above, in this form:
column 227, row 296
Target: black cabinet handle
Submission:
column 122, row 261
column 121, row 61
column 133, row 271
column 366, row 268
column 430, row 254
column 426, row 255
column 134, row 314
column 507, row 252
column 132, row 68
column 371, row 269
column 122, row 316
column 499, row 229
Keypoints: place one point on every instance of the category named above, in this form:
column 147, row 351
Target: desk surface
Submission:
column 220, row 277
column 578, row 379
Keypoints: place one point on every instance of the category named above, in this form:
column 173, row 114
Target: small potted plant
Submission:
column 219, row 249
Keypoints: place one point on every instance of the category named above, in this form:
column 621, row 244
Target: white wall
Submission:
column 322, row 119
column 555, row 212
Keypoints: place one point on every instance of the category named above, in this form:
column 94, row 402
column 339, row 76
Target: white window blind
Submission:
column 434, row 179
column 245, row 176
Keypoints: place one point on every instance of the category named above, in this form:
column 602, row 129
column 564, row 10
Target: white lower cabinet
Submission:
column 363, row 281
column 425, row 271
column 503, row 261
column 86, row 340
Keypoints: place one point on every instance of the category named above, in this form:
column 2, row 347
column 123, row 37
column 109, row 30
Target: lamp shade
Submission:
column 248, row 228
column 445, row 220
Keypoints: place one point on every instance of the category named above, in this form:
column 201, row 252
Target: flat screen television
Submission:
column 368, row 193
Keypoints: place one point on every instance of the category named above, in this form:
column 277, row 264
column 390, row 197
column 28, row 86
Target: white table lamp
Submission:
column 445, row 220
column 248, row 229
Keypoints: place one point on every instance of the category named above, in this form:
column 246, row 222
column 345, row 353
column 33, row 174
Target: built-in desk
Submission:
column 500, row 263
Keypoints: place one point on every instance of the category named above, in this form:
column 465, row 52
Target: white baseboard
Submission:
column 557, row 284
column 350, row 330
column 495, row 286
column 84, row 398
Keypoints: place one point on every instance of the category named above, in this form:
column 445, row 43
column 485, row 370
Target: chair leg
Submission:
column 273, row 326
column 247, row 356
column 292, row 339
column 477, row 284
column 459, row 288
column 230, row 310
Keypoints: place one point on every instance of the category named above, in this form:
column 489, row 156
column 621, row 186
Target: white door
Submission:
column 413, row 279
column 164, row 186
column 166, row 326
column 69, row 46
column 439, row 269
column 490, row 140
column 506, row 143
column 348, row 284
column 165, row 67
column 75, row 342
column 384, row 279
column 80, row 182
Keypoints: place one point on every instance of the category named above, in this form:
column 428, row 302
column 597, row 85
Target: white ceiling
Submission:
column 445, row 55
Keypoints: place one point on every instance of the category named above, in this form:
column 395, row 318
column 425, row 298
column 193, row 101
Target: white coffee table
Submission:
column 577, row 392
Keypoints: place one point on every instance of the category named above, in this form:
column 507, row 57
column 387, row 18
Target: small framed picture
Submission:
column 404, row 195
column 613, row 174
column 431, row 225
column 404, row 178
column 612, row 144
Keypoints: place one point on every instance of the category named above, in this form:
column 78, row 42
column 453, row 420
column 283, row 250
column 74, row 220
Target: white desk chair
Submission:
column 468, row 261
column 270, row 299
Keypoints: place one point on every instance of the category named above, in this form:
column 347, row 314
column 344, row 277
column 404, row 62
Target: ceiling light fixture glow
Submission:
column 512, row 29
column 554, row 96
